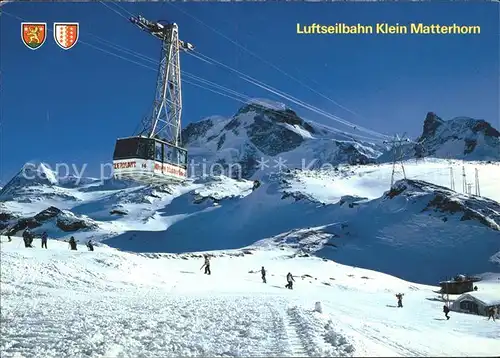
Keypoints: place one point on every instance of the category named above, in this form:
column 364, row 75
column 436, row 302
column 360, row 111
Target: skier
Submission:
column 72, row 243
column 206, row 265
column 491, row 313
column 90, row 245
column 446, row 310
column 263, row 273
column 44, row 239
column 290, row 280
column 27, row 238
column 256, row 184
column 399, row 296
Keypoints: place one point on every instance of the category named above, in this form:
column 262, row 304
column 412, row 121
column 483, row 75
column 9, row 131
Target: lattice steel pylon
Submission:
column 452, row 179
column 477, row 187
column 164, row 123
column 398, row 156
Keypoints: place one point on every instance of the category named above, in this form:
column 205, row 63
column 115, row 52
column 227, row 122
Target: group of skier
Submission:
column 492, row 311
column 28, row 237
column 289, row 276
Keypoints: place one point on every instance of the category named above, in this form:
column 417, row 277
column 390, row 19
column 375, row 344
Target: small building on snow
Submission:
column 460, row 284
column 476, row 302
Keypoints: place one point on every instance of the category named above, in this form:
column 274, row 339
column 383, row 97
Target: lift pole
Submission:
column 397, row 160
column 164, row 123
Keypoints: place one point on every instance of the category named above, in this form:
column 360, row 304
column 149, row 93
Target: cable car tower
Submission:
column 155, row 153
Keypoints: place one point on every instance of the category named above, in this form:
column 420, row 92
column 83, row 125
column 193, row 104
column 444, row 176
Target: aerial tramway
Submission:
column 155, row 154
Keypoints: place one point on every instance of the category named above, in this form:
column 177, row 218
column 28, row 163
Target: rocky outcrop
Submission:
column 443, row 200
column 351, row 201
column 194, row 131
column 69, row 222
column 470, row 209
column 118, row 212
column 21, row 225
column 47, row 214
column 64, row 220
column 6, row 216
column 431, row 123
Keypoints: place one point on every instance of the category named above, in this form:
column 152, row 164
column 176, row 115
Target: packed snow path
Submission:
column 142, row 324
column 106, row 303
column 146, row 324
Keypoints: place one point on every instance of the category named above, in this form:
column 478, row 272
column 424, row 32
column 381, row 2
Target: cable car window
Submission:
column 182, row 157
column 168, row 154
column 159, row 151
column 175, row 156
column 150, row 151
column 126, row 148
column 141, row 150
column 145, row 149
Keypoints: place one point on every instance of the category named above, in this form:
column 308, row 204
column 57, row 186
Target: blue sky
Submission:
column 69, row 106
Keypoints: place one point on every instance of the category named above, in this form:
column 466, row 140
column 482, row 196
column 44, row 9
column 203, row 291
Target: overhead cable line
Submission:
column 292, row 98
column 262, row 59
column 274, row 90
column 204, row 83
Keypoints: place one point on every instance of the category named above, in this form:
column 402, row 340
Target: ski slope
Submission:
column 371, row 181
column 109, row 303
column 218, row 213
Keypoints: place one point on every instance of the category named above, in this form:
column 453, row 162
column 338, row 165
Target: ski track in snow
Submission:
column 295, row 341
column 154, row 323
column 311, row 337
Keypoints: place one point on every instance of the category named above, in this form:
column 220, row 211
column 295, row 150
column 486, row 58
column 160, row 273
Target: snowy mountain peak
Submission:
column 431, row 123
column 263, row 134
column 39, row 171
column 268, row 103
column 31, row 174
column 459, row 138
column 260, row 131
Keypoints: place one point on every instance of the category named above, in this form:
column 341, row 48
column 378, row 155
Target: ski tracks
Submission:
column 302, row 333
column 296, row 337
column 312, row 335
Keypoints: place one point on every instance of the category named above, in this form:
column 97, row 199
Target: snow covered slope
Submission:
column 108, row 303
column 415, row 225
column 346, row 207
column 264, row 131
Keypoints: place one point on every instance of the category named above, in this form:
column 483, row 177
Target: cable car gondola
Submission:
column 155, row 154
column 149, row 160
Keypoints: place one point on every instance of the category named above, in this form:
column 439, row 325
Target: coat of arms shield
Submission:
column 66, row 34
column 33, row 34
